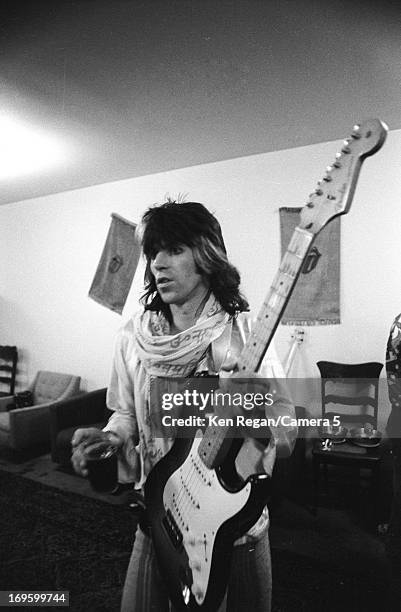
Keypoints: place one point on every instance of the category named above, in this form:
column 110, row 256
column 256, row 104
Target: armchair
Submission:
column 88, row 410
column 22, row 428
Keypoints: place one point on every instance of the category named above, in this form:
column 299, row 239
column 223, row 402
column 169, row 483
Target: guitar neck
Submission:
column 211, row 447
column 275, row 302
column 331, row 198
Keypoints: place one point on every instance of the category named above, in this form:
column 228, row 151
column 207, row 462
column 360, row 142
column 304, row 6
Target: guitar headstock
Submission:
column 333, row 194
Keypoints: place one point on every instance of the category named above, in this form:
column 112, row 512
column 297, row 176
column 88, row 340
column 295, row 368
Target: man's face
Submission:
column 176, row 275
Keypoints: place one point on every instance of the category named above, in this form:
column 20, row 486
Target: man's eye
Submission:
column 176, row 250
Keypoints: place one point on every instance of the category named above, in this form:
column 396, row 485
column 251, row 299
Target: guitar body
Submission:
column 195, row 514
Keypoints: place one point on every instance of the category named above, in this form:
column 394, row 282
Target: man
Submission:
column 194, row 320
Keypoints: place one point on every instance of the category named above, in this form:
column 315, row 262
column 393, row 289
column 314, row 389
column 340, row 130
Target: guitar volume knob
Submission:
column 198, row 594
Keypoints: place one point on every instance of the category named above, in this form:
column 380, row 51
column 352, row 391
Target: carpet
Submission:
column 51, row 539
column 330, row 562
column 58, row 540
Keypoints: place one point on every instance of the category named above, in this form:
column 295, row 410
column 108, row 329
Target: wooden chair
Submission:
column 354, row 387
column 8, row 369
column 351, row 385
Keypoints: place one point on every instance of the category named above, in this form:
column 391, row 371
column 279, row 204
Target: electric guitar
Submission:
column 197, row 505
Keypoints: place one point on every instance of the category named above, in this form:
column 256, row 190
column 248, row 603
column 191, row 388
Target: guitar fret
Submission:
column 211, row 444
column 286, row 273
column 291, row 263
column 264, row 325
column 296, row 254
column 278, row 292
column 273, row 300
column 299, row 240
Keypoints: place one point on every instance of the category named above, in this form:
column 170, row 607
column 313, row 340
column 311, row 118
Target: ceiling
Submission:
column 137, row 87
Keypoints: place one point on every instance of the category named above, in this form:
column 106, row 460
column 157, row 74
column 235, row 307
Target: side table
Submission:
column 348, row 455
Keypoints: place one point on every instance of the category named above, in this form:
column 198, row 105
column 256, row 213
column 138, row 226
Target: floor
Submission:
column 340, row 535
column 42, row 469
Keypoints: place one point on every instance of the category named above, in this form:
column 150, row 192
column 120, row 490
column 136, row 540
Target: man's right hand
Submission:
column 80, row 440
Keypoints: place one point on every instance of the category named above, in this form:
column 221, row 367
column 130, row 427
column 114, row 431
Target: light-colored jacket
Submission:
column 129, row 385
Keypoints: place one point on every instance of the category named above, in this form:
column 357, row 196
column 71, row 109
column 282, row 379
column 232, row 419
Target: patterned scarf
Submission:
column 177, row 355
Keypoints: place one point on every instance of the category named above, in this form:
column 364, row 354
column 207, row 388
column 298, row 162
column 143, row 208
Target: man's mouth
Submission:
column 162, row 281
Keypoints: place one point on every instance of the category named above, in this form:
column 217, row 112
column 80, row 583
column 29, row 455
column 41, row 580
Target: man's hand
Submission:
column 85, row 437
column 250, row 395
column 279, row 404
column 235, row 382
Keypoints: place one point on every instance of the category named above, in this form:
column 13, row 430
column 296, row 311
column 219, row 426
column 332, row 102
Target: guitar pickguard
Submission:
column 199, row 505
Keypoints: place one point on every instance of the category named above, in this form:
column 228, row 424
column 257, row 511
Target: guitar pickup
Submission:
column 173, row 531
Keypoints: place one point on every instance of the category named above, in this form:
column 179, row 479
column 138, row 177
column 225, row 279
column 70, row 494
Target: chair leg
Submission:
column 316, row 478
column 326, row 476
column 376, row 494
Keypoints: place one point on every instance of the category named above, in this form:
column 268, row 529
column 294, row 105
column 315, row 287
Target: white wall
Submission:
column 50, row 248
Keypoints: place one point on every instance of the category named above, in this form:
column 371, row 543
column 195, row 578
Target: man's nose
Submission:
column 160, row 261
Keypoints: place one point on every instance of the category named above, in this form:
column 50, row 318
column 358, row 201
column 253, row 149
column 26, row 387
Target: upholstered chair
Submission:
column 88, row 410
column 23, row 428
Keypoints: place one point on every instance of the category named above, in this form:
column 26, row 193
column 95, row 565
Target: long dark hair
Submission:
column 190, row 223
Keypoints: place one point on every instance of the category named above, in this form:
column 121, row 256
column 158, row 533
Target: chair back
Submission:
column 351, row 386
column 8, row 369
column 51, row 386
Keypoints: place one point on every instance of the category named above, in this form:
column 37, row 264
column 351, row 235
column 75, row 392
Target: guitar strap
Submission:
column 221, row 346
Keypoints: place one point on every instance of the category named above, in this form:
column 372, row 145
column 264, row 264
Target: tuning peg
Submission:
column 337, row 164
column 319, row 191
column 345, row 148
column 327, row 178
column 310, row 204
column 355, row 132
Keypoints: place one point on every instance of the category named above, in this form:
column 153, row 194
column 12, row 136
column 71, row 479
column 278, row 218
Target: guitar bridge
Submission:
column 174, row 532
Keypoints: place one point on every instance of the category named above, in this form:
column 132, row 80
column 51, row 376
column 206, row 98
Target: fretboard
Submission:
column 211, row 447
column 263, row 331
column 273, row 306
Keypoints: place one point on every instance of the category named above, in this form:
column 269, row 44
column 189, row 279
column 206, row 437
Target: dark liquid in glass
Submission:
column 102, row 467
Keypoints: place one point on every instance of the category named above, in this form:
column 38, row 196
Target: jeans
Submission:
column 249, row 586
